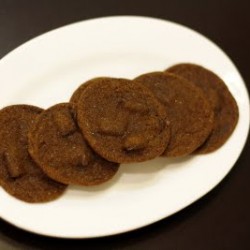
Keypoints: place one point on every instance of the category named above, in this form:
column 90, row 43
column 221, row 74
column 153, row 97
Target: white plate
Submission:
column 47, row 69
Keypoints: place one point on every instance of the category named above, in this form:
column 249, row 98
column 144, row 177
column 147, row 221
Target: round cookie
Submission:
column 190, row 114
column 225, row 108
column 123, row 121
column 19, row 174
column 77, row 93
column 57, row 145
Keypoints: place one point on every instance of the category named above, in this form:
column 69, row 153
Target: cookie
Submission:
column 190, row 114
column 77, row 93
column 123, row 121
column 19, row 174
column 225, row 108
column 57, row 145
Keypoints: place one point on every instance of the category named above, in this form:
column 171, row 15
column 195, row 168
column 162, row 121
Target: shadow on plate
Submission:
column 101, row 187
column 155, row 165
column 137, row 172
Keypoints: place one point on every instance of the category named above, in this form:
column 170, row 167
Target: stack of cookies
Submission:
column 185, row 110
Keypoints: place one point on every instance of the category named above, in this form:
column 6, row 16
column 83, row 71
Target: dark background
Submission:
column 221, row 219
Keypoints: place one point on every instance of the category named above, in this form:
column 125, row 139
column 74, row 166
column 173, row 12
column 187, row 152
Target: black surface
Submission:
column 221, row 219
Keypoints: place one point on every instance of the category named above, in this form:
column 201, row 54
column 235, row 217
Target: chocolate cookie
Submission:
column 123, row 121
column 190, row 114
column 224, row 105
column 57, row 145
column 77, row 93
column 19, row 174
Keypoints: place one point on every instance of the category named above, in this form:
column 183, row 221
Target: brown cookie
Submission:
column 57, row 145
column 77, row 93
column 190, row 114
column 19, row 174
column 224, row 105
column 122, row 121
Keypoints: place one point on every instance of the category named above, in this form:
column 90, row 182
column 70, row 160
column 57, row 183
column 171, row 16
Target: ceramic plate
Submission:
column 46, row 71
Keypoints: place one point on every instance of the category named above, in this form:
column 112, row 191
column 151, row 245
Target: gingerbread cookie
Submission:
column 190, row 114
column 57, row 145
column 225, row 108
column 19, row 174
column 122, row 120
